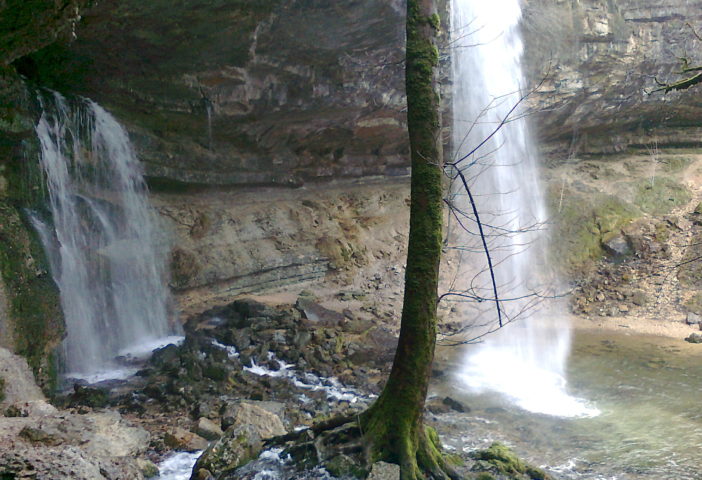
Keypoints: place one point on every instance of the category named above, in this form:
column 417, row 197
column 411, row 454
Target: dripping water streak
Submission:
column 103, row 248
column 526, row 360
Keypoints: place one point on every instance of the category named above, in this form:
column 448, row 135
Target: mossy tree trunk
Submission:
column 392, row 426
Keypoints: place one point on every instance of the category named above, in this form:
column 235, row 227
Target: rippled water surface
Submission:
column 648, row 391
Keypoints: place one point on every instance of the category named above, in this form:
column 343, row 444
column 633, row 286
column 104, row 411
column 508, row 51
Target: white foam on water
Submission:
column 97, row 376
column 177, row 466
column 145, row 348
column 309, row 381
column 528, row 385
column 231, row 350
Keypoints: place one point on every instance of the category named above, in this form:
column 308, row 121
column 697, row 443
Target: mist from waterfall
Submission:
column 101, row 239
column 526, row 360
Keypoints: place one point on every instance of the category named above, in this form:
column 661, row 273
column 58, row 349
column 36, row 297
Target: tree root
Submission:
column 344, row 448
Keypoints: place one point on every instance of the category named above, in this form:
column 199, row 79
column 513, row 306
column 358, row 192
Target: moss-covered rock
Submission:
column 583, row 222
column 33, row 324
column 242, row 441
column 498, row 459
column 343, row 466
column 34, row 306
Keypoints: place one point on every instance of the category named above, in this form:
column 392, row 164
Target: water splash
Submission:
column 526, row 360
column 102, row 248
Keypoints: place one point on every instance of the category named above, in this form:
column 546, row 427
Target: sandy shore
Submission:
column 633, row 324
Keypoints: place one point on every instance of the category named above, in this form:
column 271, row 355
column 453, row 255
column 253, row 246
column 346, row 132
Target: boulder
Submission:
column 241, row 442
column 181, row 439
column 207, row 429
column 617, row 246
column 694, row 338
column 455, row 405
column 693, row 319
column 65, row 462
column 384, row 471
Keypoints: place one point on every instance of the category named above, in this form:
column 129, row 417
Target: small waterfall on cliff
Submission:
column 525, row 360
column 102, row 248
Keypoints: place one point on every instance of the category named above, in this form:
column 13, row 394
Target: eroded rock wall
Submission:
column 599, row 59
column 228, row 243
column 248, row 92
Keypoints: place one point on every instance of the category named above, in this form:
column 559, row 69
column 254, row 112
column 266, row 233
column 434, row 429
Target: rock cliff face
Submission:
column 599, row 59
column 247, row 93
column 236, row 92
column 280, row 92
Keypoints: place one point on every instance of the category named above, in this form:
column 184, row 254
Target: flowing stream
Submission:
column 101, row 240
column 526, row 360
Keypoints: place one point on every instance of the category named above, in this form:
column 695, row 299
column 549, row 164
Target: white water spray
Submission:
column 526, row 360
column 102, row 249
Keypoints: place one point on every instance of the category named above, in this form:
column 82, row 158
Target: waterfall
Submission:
column 102, row 248
column 525, row 360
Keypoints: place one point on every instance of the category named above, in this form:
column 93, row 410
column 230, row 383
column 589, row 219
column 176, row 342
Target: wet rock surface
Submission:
column 38, row 441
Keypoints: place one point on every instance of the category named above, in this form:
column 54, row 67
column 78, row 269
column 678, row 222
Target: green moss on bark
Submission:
column 393, row 425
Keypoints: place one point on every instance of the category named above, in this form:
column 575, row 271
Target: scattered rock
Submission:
column 89, row 396
column 242, row 441
column 343, row 466
column 694, row 338
column 267, row 424
column 180, row 439
column 500, row 460
column 384, row 471
column 437, row 406
column 639, row 298
column 617, row 246
column 207, row 429
column 147, row 468
column 455, row 405
column 693, row 319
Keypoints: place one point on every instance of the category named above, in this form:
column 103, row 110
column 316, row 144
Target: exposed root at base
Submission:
column 344, row 449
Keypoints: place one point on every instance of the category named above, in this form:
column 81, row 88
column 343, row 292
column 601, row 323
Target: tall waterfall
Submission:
column 526, row 359
column 102, row 248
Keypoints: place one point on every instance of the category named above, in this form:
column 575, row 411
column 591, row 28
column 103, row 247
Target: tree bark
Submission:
column 393, row 424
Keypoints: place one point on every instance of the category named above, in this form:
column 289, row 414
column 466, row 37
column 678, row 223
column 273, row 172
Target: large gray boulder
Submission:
column 241, row 442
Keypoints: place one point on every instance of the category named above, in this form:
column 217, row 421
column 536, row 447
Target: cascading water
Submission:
column 103, row 249
column 526, row 360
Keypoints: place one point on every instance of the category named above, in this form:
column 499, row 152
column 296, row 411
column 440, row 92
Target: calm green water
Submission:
column 649, row 392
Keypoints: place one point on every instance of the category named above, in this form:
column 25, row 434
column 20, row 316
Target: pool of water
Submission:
column 649, row 394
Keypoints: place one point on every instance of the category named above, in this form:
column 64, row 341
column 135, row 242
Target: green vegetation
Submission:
column 660, row 195
column 674, row 164
column 584, row 222
column 33, row 297
column 35, row 319
column 505, row 462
